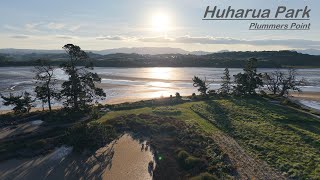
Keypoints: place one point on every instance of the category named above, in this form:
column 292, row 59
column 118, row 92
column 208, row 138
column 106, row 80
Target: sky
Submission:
column 106, row 24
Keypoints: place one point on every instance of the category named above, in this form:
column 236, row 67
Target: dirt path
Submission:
column 246, row 166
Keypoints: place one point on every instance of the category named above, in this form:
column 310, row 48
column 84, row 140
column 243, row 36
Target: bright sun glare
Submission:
column 160, row 73
column 160, row 22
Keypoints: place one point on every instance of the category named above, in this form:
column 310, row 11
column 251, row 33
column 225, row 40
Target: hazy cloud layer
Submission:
column 293, row 43
column 64, row 37
column 20, row 36
column 112, row 38
column 55, row 26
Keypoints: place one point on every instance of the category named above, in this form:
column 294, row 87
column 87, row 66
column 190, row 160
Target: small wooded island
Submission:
column 236, row 132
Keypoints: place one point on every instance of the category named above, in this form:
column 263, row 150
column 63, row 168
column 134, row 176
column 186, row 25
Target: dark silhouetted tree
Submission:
column 247, row 82
column 178, row 96
column 80, row 89
column 280, row 83
column 22, row 103
column 201, row 85
column 45, row 80
column 226, row 82
column 272, row 81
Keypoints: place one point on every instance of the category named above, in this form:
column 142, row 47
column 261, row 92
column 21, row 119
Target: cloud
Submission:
column 55, row 26
column 156, row 39
column 12, row 28
column 64, row 37
column 20, row 36
column 74, row 28
column 32, row 27
column 291, row 43
column 113, row 38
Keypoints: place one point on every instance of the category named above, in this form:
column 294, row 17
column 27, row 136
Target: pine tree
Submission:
column 80, row 89
column 201, row 85
column 226, row 82
column 248, row 81
column 22, row 103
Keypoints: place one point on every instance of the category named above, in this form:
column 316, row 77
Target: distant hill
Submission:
column 13, row 51
column 143, row 50
column 133, row 50
column 232, row 59
column 310, row 51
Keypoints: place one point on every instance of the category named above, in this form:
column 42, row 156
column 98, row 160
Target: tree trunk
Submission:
column 75, row 101
column 49, row 98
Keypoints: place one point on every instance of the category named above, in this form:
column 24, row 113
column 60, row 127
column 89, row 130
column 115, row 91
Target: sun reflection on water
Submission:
column 161, row 73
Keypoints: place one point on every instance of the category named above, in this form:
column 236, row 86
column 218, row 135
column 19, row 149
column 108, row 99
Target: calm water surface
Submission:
column 139, row 83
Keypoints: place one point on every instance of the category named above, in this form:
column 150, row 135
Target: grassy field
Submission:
column 285, row 138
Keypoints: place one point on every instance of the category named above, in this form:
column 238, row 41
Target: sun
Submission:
column 160, row 22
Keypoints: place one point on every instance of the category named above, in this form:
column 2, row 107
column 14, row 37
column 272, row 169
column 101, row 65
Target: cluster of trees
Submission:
column 76, row 93
column 246, row 83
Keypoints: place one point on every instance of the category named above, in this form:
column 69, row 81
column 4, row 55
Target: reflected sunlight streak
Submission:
column 161, row 73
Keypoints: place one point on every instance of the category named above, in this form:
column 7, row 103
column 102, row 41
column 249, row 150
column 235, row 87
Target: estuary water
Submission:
column 129, row 84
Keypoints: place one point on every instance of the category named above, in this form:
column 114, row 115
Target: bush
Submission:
column 212, row 93
column 183, row 155
column 187, row 161
column 95, row 114
column 178, row 96
column 89, row 136
column 192, row 162
column 63, row 115
column 204, row 176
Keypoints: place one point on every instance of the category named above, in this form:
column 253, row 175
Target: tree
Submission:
column 247, row 82
column 280, row 83
column 272, row 81
column 178, row 96
column 45, row 91
column 22, row 103
column 226, row 83
column 80, row 88
column 202, row 85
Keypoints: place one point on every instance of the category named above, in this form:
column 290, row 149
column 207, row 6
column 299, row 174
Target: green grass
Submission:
column 285, row 138
column 186, row 115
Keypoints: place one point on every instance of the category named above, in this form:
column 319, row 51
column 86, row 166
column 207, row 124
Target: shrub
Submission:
column 183, row 155
column 89, row 136
column 187, row 161
column 94, row 114
column 204, row 176
column 192, row 162
column 178, row 96
column 193, row 96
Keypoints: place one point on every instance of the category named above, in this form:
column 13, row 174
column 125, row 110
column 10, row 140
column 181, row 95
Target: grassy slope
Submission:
column 285, row 138
column 186, row 115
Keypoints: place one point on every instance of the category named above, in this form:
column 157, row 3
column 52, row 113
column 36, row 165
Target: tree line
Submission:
column 76, row 93
column 278, row 83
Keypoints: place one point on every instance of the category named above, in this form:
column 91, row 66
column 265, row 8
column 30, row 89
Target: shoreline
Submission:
column 309, row 96
column 111, row 102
